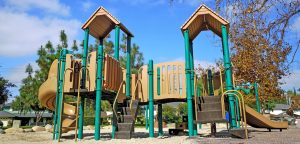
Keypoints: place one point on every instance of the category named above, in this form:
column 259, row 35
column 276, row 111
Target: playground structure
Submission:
column 100, row 77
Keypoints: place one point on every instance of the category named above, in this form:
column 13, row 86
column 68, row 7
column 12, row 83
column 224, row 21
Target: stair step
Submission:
column 124, row 126
column 123, row 135
column 211, row 99
column 210, row 116
column 128, row 118
column 210, row 106
column 129, row 111
column 240, row 133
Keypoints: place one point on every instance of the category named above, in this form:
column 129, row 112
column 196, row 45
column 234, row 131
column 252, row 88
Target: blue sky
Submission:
column 26, row 24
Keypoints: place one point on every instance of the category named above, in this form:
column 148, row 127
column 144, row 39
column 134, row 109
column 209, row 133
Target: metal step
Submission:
column 210, row 116
column 210, row 106
column 240, row 133
column 123, row 135
column 128, row 118
column 211, row 99
column 124, row 126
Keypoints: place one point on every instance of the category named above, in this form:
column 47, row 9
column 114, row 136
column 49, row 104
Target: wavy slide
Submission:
column 257, row 120
column 47, row 95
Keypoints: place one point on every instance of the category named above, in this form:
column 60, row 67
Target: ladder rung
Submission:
column 73, row 102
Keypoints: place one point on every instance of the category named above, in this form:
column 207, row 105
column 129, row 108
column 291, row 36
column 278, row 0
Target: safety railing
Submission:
column 242, row 109
column 116, row 99
column 134, row 91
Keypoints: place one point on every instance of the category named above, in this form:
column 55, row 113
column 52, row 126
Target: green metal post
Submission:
column 192, row 79
column 237, row 112
column 128, row 67
column 98, row 90
column 228, row 75
column 56, row 101
column 61, row 85
column 117, row 42
column 256, row 97
column 210, row 82
column 160, row 122
column 150, row 99
column 199, row 95
column 158, row 81
column 188, row 83
column 83, row 80
column 147, row 117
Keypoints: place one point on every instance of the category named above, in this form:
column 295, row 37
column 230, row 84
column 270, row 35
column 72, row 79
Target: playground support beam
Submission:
column 158, row 81
column 193, row 79
column 117, row 42
column 98, row 90
column 228, row 75
column 61, row 92
column 188, row 83
column 160, row 122
column 56, row 102
column 210, row 82
column 83, row 80
column 150, row 99
column 128, row 67
column 256, row 97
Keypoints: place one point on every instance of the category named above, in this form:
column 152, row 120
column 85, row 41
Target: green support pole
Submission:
column 199, row 94
column 83, row 80
column 188, row 83
column 160, row 122
column 192, row 79
column 98, row 90
column 210, row 83
column 56, row 102
column 147, row 118
column 158, row 81
column 117, row 42
column 61, row 85
column 128, row 67
column 237, row 112
column 228, row 75
column 150, row 99
column 256, row 97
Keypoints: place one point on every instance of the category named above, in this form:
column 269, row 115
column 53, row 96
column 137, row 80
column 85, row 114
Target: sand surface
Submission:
column 292, row 135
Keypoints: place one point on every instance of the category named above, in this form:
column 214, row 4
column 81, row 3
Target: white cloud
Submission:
column 86, row 5
column 49, row 6
column 291, row 81
column 202, row 63
column 22, row 34
column 17, row 73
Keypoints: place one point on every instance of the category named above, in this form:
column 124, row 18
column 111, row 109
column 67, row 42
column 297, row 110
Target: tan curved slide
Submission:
column 257, row 120
column 47, row 95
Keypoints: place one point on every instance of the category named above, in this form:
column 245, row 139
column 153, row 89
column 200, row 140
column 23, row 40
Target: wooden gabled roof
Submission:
column 101, row 23
column 204, row 19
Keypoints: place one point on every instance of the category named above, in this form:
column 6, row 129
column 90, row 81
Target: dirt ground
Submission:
column 289, row 136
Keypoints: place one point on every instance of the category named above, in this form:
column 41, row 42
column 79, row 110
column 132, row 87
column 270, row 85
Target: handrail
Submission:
column 136, row 85
column 113, row 107
column 221, row 79
column 233, row 92
column 195, row 97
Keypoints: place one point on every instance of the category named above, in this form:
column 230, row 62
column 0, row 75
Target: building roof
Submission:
column 101, row 23
column 204, row 19
column 281, row 107
column 5, row 114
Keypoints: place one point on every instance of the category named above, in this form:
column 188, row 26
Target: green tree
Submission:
column 182, row 109
column 4, row 89
column 28, row 99
column 137, row 57
column 169, row 114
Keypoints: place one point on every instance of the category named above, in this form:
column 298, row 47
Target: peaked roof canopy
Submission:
column 101, row 23
column 204, row 19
